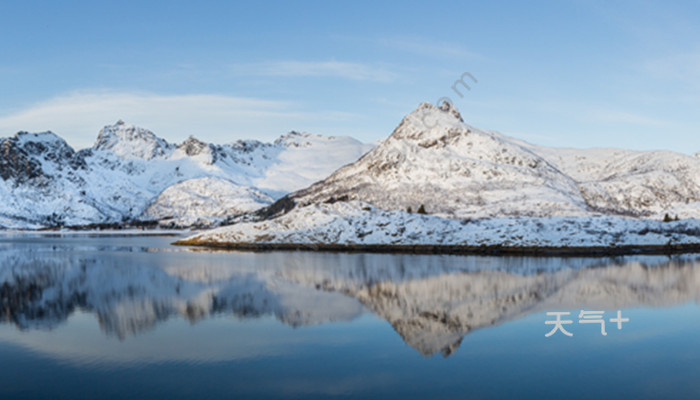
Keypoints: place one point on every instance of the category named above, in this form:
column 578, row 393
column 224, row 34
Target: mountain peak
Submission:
column 47, row 143
column 24, row 155
column 433, row 154
column 131, row 142
column 47, row 137
column 429, row 123
column 192, row 146
column 298, row 139
column 445, row 107
column 448, row 107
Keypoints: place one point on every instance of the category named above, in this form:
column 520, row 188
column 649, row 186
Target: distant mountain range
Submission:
column 432, row 162
column 130, row 174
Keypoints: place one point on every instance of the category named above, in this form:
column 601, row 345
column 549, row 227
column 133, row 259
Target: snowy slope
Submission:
column 125, row 175
column 357, row 223
column 632, row 182
column 204, row 202
column 308, row 158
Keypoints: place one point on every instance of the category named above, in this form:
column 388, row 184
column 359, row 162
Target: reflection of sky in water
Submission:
column 333, row 324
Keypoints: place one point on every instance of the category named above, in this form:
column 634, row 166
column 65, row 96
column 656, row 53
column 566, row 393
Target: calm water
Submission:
column 133, row 317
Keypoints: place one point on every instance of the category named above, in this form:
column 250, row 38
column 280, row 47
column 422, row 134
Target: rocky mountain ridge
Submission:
column 458, row 171
column 130, row 174
column 433, row 160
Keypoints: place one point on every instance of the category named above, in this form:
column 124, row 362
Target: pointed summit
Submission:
column 131, row 142
column 448, row 107
column 434, row 160
column 429, row 125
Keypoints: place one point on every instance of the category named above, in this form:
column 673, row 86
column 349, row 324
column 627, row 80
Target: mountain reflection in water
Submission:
column 432, row 302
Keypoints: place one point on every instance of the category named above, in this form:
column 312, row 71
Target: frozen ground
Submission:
column 357, row 223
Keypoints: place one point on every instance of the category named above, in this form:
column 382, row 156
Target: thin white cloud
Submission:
column 344, row 70
column 430, row 48
column 79, row 116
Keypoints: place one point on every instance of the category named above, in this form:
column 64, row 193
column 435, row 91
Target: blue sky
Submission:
column 561, row 73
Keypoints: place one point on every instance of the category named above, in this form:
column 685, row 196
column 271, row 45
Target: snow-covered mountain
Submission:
column 456, row 170
column 432, row 159
column 132, row 174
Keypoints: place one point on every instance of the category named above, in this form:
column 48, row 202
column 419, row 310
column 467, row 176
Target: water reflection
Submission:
column 432, row 302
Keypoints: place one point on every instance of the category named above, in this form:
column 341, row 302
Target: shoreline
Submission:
column 437, row 249
column 93, row 233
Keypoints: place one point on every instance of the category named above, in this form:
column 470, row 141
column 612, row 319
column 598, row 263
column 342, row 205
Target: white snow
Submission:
column 357, row 223
column 307, row 158
column 204, row 202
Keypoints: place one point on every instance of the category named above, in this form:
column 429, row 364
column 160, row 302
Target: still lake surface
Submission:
column 134, row 317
